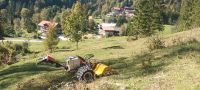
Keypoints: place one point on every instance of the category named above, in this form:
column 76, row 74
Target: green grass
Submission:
column 98, row 20
column 168, row 29
column 173, row 68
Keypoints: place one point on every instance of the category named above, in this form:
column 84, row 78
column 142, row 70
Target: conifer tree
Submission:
column 147, row 19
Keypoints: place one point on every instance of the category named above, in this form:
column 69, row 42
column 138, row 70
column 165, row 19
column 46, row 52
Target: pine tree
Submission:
column 75, row 24
column 51, row 39
column 147, row 19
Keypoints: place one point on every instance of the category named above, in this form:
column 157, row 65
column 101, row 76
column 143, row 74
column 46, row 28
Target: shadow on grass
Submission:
column 14, row 74
column 31, row 67
column 63, row 50
column 48, row 81
column 147, row 63
column 114, row 47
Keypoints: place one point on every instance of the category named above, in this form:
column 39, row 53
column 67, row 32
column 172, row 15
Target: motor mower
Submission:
column 84, row 69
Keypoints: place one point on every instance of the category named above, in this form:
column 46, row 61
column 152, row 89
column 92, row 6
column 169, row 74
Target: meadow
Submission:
column 175, row 67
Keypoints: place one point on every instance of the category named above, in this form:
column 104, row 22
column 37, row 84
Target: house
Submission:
column 119, row 9
column 109, row 29
column 44, row 27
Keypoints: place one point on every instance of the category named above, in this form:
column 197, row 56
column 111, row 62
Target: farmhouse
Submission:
column 121, row 11
column 108, row 29
column 45, row 25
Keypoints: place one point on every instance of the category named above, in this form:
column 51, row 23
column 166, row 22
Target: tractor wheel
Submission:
column 85, row 74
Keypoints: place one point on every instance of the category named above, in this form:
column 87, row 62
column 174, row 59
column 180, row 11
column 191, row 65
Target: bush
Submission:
column 155, row 42
column 9, row 51
column 51, row 39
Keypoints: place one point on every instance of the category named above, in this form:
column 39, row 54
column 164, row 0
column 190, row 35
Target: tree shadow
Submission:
column 114, row 47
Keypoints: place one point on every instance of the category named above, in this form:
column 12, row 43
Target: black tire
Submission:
column 85, row 74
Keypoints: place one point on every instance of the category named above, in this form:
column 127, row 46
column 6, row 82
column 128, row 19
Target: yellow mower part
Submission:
column 101, row 69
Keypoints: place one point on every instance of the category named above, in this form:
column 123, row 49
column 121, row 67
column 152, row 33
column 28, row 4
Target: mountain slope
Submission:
column 175, row 67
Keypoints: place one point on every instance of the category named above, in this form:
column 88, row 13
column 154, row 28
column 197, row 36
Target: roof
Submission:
column 117, row 8
column 109, row 27
column 47, row 23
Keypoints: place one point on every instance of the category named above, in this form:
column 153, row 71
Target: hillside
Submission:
column 175, row 67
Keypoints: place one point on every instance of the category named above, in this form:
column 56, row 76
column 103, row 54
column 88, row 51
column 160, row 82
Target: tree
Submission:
column 36, row 18
column 196, row 14
column 147, row 19
column 185, row 19
column 171, row 11
column 48, row 13
column 75, row 24
column 189, row 15
column 51, row 39
column 92, row 26
column 133, row 28
column 7, row 26
column 17, row 27
column 121, row 20
column 1, row 27
column 26, row 22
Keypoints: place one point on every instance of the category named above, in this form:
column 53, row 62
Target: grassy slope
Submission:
column 174, row 67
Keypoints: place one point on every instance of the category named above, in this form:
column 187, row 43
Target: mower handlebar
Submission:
column 46, row 59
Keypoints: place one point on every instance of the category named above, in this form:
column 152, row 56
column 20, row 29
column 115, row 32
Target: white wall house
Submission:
column 45, row 25
column 109, row 29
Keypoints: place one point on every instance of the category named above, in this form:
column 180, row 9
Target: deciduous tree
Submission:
column 26, row 22
column 51, row 39
column 185, row 19
column 75, row 24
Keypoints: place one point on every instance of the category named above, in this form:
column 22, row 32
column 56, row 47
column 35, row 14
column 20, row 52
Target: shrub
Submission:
column 9, row 51
column 51, row 39
column 25, row 48
column 155, row 42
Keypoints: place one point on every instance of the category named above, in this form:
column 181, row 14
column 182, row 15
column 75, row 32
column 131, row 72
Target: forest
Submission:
column 22, row 16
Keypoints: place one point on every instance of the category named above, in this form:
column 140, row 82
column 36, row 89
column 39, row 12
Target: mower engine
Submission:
column 74, row 62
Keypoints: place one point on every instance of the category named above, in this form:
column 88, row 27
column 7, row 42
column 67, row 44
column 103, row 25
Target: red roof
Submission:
column 47, row 23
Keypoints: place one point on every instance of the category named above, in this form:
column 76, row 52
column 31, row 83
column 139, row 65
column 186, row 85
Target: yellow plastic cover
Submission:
column 100, row 68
